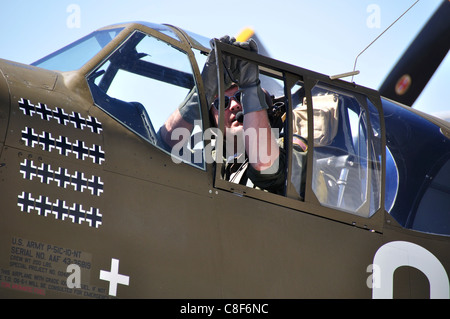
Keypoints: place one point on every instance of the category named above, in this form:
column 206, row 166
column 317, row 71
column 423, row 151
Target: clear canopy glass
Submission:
column 75, row 55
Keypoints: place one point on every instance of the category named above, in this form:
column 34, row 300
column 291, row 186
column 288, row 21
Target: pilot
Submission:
column 262, row 163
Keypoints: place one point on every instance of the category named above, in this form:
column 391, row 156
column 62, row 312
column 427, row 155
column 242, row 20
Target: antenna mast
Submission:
column 354, row 72
column 354, row 66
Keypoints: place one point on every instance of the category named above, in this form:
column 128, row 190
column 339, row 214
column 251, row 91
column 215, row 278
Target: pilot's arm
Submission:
column 183, row 117
column 188, row 111
column 246, row 76
column 262, row 148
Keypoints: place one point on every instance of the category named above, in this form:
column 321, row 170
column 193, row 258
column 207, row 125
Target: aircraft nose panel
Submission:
column 29, row 76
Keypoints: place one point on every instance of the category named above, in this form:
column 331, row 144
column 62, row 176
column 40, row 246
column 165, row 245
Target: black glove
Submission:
column 209, row 73
column 247, row 73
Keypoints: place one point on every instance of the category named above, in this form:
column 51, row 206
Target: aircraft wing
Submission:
column 414, row 69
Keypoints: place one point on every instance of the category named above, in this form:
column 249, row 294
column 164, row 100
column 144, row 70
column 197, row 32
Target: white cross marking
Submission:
column 114, row 277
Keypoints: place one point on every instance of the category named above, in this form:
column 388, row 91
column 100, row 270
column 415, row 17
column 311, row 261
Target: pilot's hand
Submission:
column 247, row 72
column 209, row 73
column 253, row 98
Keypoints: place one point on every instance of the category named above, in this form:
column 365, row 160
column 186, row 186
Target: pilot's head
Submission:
column 232, row 107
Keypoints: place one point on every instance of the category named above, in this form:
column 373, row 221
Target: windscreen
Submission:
column 75, row 55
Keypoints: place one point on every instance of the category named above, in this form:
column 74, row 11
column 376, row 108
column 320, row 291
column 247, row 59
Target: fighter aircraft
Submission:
column 94, row 205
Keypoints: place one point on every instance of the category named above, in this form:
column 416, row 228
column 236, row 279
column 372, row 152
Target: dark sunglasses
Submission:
column 236, row 96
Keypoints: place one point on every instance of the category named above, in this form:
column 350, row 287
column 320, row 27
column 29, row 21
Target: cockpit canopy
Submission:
column 73, row 56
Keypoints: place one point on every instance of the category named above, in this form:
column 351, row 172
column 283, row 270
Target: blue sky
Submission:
column 321, row 35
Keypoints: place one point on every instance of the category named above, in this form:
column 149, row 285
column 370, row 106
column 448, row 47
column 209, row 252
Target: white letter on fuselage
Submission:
column 395, row 254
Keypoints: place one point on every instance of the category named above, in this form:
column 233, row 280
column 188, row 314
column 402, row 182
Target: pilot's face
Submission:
column 231, row 125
